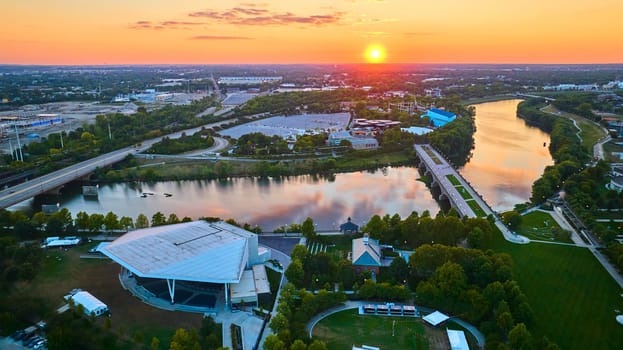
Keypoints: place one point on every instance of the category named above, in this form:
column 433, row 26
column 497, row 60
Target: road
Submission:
column 51, row 181
column 440, row 170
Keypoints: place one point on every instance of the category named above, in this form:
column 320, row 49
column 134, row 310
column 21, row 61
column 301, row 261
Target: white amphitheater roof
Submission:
column 194, row 251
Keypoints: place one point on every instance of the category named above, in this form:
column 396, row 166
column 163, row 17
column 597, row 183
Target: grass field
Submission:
column 343, row 329
column 591, row 133
column 538, row 225
column 573, row 297
column 476, row 208
column 463, row 192
column 64, row 270
column 453, row 180
column 610, row 147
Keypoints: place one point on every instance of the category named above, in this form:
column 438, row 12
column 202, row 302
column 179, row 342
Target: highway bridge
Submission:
column 456, row 190
column 549, row 99
column 53, row 181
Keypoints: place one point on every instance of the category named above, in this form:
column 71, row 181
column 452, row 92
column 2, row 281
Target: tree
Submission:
column 519, row 337
column 38, row 219
column 126, row 222
column 307, row 229
column 376, row 227
column 398, row 271
column 142, row 221
column 512, row 219
column 173, row 219
column 95, row 222
column 279, row 323
column 111, row 221
column 82, row 220
column 295, row 273
column 299, row 252
column 298, row 345
column 158, row 219
column 155, row 344
column 272, row 342
column 184, row 340
column 317, row 345
column 54, row 226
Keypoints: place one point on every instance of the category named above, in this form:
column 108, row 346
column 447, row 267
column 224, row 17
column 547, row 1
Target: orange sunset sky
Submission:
column 337, row 31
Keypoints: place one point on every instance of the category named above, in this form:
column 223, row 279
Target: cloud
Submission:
column 163, row 25
column 374, row 34
column 412, row 34
column 254, row 16
column 220, row 37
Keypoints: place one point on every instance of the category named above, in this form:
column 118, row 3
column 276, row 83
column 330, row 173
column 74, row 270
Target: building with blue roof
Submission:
column 366, row 255
column 439, row 117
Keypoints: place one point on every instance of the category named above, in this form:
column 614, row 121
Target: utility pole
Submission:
column 109, row 133
column 11, row 149
column 62, row 146
column 20, row 155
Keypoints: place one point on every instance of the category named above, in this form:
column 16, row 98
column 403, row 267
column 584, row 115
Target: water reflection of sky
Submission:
column 270, row 203
column 508, row 155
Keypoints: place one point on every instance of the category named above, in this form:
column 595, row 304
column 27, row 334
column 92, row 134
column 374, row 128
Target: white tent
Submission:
column 457, row 340
column 435, row 318
column 91, row 304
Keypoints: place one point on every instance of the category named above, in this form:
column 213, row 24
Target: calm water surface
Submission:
column 508, row 157
column 269, row 203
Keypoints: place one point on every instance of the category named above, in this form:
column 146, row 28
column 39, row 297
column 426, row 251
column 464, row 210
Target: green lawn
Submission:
column 591, row 133
column 343, row 329
column 476, row 208
column 538, row 225
column 432, row 155
column 463, row 192
column 453, row 180
column 609, row 215
column 573, row 297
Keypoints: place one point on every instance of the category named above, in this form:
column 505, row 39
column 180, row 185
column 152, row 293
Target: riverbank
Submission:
column 204, row 169
column 494, row 98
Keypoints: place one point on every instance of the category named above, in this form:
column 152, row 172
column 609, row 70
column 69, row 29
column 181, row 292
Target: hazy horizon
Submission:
column 115, row 32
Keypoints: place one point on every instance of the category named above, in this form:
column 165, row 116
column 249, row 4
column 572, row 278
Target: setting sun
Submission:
column 375, row 54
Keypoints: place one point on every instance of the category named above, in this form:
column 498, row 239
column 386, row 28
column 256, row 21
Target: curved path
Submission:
column 348, row 305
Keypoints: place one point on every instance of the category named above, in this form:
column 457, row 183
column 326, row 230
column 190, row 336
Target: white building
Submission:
column 434, row 92
column 457, row 340
column 215, row 253
column 91, row 305
column 248, row 80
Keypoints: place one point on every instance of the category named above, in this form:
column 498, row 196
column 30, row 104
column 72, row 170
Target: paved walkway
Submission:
column 348, row 305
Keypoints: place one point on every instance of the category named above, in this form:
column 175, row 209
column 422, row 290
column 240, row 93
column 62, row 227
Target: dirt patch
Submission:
column 64, row 270
column 437, row 338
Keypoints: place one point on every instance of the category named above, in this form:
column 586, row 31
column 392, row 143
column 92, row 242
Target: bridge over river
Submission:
column 457, row 191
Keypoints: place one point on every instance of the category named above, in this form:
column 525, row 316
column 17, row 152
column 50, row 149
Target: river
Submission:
column 508, row 155
column 507, row 158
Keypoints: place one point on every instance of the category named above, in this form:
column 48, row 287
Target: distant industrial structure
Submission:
column 434, row 92
column 254, row 80
column 358, row 143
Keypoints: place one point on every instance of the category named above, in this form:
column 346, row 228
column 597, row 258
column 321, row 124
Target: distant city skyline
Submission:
column 76, row 32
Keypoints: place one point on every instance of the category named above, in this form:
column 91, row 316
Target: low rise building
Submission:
column 366, row 255
column 439, row 117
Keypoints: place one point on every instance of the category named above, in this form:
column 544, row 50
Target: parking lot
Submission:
column 285, row 126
